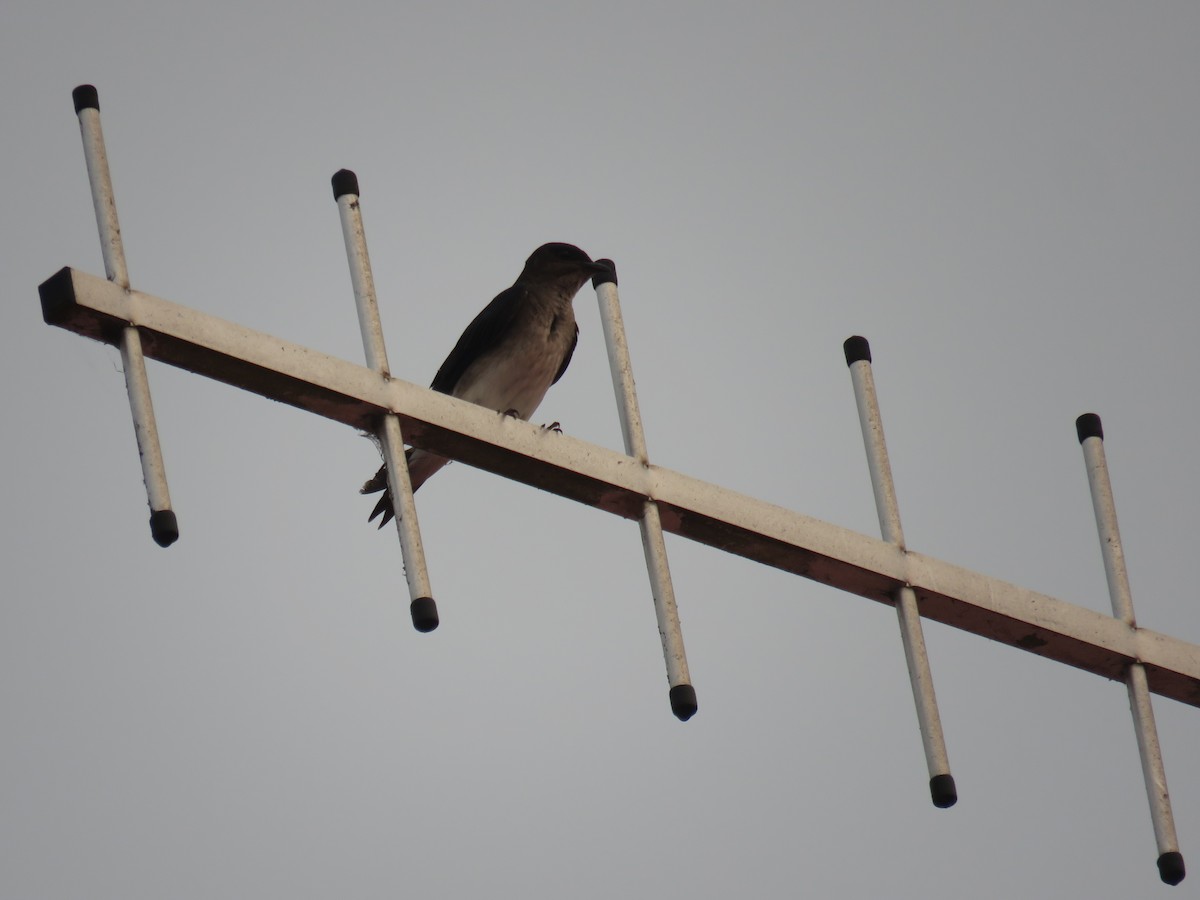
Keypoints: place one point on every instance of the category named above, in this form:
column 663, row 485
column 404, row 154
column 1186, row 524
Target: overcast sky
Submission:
column 1004, row 197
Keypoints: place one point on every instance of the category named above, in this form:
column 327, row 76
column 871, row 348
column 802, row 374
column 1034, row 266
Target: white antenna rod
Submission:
column 941, row 783
column 682, row 694
column 422, row 607
column 1091, row 438
column 164, row 527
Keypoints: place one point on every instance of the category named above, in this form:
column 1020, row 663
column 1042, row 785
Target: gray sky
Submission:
column 1003, row 197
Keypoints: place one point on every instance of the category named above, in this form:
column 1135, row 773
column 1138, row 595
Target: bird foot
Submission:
column 553, row 426
column 515, row 413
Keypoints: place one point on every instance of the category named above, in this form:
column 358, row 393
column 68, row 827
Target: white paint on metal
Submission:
column 1153, row 771
column 669, row 630
column 103, row 198
column 912, row 636
column 921, row 678
column 350, row 212
column 1106, row 525
column 412, row 550
column 621, row 367
column 391, row 439
column 616, row 483
column 650, row 521
column 871, row 422
column 137, row 385
column 145, row 426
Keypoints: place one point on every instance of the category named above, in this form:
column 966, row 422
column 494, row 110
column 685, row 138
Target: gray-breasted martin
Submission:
column 510, row 354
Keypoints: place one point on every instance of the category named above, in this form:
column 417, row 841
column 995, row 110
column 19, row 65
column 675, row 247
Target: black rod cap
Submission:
column 424, row 614
column 683, row 701
column 164, row 527
column 57, row 294
column 609, row 277
column 943, row 791
column 1088, row 425
column 344, row 182
column 1170, row 867
column 86, row 97
column 857, row 349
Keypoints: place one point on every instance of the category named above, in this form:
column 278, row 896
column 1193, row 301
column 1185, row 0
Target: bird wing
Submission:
column 487, row 331
column 567, row 356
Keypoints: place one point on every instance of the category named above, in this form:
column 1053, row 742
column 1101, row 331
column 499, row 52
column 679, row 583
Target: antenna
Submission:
column 627, row 484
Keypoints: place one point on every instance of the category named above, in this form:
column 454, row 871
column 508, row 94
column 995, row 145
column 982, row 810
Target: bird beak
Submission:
column 603, row 271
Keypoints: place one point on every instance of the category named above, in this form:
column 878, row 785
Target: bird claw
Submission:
column 514, row 413
column 553, row 426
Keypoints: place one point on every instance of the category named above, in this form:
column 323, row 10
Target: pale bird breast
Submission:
column 518, row 375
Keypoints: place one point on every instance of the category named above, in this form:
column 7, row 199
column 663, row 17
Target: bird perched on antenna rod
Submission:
column 510, row 354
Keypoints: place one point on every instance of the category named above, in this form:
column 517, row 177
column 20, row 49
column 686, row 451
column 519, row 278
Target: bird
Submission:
column 512, row 352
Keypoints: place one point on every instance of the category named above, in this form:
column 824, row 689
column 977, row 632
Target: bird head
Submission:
column 559, row 263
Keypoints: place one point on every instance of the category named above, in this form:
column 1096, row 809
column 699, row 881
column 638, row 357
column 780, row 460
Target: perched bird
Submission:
column 510, row 354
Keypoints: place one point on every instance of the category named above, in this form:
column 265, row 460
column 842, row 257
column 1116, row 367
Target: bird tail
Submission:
column 421, row 465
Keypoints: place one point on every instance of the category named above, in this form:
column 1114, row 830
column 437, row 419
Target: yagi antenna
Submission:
column 369, row 398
